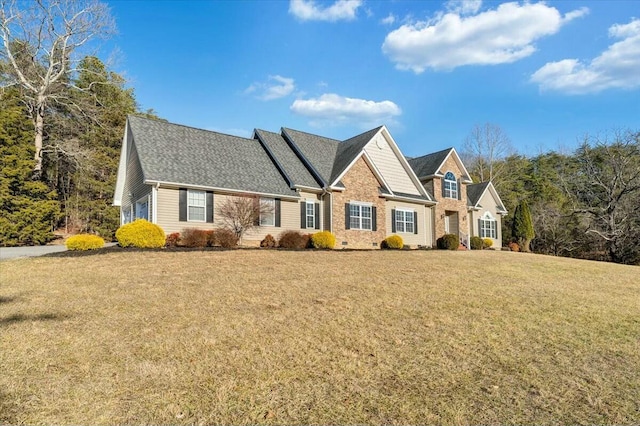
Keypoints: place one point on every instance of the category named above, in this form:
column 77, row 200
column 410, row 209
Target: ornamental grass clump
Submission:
column 142, row 234
column 83, row 242
column 393, row 242
column 323, row 240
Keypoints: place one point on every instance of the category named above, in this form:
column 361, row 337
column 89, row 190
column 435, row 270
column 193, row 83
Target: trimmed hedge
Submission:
column 140, row 233
column 224, row 238
column 476, row 243
column 449, row 242
column 84, row 242
column 293, row 240
column 393, row 242
column 323, row 240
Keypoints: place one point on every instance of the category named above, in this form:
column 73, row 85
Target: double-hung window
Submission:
column 196, row 206
column 450, row 186
column 404, row 221
column 360, row 216
column 488, row 226
column 310, row 214
column 267, row 212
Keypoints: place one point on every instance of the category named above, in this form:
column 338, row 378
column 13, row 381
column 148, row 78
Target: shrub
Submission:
column 293, row 240
column 84, row 242
column 225, row 238
column 192, row 237
column 476, row 243
column 140, row 233
column 487, row 242
column 392, row 242
column 448, row 242
column 513, row 246
column 268, row 241
column 323, row 240
column 172, row 239
column 211, row 237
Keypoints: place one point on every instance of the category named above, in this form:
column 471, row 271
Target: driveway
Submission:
column 28, row 251
column 32, row 251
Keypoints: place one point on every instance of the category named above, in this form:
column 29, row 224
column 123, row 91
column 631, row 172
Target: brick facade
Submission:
column 361, row 185
column 449, row 204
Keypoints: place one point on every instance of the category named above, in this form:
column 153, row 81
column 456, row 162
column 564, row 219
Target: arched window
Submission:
column 488, row 226
column 450, row 186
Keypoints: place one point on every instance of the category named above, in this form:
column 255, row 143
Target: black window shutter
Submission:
column 303, row 215
column 442, row 183
column 480, row 228
column 415, row 222
column 317, row 215
column 256, row 211
column 459, row 190
column 347, row 216
column 277, row 213
column 209, row 206
column 374, row 218
column 393, row 220
column 182, row 200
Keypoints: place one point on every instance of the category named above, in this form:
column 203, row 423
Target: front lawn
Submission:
column 255, row 336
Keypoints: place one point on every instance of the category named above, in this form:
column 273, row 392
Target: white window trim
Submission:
column 312, row 215
column 193, row 205
column 272, row 202
column 135, row 207
column 452, row 183
column 404, row 223
column 361, row 205
column 492, row 228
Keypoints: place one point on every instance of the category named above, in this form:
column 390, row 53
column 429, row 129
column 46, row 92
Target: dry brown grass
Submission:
column 319, row 337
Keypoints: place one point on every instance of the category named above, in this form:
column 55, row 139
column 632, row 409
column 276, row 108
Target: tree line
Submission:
column 62, row 117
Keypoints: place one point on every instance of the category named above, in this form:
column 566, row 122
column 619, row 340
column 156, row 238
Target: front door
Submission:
column 451, row 223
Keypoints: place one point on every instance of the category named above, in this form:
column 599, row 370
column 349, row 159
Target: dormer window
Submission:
column 450, row 186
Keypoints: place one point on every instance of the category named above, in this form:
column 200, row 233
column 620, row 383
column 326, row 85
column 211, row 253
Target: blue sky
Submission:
column 547, row 72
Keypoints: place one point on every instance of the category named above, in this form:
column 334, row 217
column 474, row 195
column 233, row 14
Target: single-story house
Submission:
column 362, row 189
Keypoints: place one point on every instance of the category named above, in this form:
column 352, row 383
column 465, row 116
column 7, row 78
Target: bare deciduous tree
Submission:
column 41, row 43
column 606, row 188
column 484, row 149
column 242, row 213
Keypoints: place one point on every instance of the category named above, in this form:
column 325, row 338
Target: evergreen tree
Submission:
column 28, row 208
column 522, row 227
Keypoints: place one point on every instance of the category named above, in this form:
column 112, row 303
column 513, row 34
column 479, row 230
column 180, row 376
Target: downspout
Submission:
column 154, row 203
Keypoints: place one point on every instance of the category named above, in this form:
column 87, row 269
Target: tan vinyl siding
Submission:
column 168, row 216
column 389, row 166
column 430, row 226
column 134, row 188
column 489, row 204
column 410, row 239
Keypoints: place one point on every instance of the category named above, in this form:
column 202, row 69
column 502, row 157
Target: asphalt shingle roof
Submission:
column 185, row 155
column 318, row 150
column 289, row 161
column 475, row 191
column 428, row 165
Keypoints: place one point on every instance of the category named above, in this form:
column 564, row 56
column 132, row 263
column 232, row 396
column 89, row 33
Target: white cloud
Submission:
column 449, row 40
column 616, row 67
column 335, row 109
column 388, row 20
column 307, row 10
column 276, row 87
column 464, row 7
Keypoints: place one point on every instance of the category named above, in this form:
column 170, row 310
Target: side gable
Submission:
column 122, row 167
